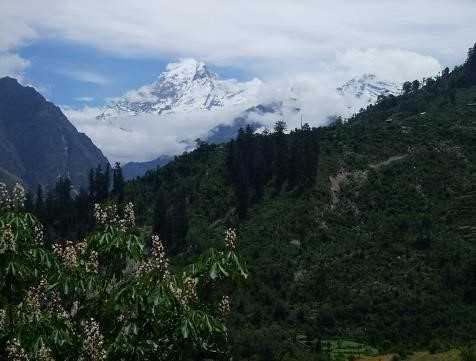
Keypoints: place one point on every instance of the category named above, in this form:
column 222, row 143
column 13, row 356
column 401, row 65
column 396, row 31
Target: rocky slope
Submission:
column 37, row 142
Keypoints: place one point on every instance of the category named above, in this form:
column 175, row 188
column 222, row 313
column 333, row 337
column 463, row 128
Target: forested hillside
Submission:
column 379, row 246
column 364, row 230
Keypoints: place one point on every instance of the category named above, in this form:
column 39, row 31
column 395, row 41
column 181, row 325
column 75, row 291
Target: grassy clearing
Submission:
column 345, row 349
column 419, row 356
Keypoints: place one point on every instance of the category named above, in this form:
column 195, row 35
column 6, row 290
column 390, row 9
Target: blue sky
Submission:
column 80, row 53
column 97, row 49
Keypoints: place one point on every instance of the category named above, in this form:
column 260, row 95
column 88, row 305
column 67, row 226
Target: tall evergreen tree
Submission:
column 178, row 224
column 118, row 183
column 280, row 155
column 107, row 180
column 470, row 65
column 160, row 223
column 92, row 185
column 39, row 202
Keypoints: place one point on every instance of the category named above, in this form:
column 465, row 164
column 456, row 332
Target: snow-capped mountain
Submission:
column 188, row 101
column 184, row 87
column 360, row 92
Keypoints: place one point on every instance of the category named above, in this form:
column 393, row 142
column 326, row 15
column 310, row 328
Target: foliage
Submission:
column 378, row 247
column 363, row 230
column 468, row 354
column 104, row 298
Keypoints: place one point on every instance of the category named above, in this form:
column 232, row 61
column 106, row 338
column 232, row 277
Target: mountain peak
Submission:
column 189, row 69
column 7, row 79
column 185, row 86
column 361, row 91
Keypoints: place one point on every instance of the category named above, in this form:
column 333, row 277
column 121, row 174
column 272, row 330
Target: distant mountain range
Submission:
column 360, row 92
column 37, row 142
column 188, row 88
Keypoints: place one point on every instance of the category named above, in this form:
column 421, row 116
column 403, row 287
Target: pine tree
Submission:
column 92, row 185
column 160, row 216
column 29, row 203
column 242, row 193
column 415, row 86
column 470, row 65
column 39, row 203
column 407, row 87
column 107, row 180
column 83, row 210
column 179, row 224
column 118, row 183
column 280, row 155
column 310, row 156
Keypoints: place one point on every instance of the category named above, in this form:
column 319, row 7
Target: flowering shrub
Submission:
column 105, row 297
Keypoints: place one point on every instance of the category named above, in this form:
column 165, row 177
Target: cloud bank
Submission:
column 302, row 46
column 267, row 36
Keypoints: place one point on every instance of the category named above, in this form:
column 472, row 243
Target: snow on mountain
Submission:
column 360, row 92
column 188, row 101
column 185, row 87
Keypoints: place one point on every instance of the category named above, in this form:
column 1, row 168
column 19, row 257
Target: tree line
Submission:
column 276, row 159
column 68, row 213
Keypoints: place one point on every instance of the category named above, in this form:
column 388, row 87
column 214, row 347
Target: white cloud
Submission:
column 85, row 76
column 84, row 99
column 310, row 45
column 395, row 65
column 267, row 35
column 12, row 65
column 145, row 137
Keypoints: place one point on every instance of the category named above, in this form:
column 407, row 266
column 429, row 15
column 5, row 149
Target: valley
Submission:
column 203, row 217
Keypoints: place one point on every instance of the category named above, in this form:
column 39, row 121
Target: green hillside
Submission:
column 379, row 248
column 359, row 237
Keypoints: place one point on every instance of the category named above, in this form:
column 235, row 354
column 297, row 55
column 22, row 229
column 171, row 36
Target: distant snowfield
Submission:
column 187, row 101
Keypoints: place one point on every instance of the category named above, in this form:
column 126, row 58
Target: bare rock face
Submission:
column 37, row 142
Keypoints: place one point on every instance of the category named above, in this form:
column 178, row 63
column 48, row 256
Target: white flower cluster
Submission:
column 70, row 253
column 38, row 234
column 15, row 352
column 93, row 344
column 187, row 294
column 128, row 222
column 3, row 319
column 92, row 265
column 225, row 306
column 158, row 260
column 44, row 353
column 108, row 216
column 190, row 294
column 36, row 296
column 231, row 239
column 37, row 300
column 18, row 196
column 5, row 201
column 7, row 239
column 14, row 199
column 56, row 307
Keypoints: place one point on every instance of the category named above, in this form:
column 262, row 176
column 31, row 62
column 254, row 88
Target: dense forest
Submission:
column 362, row 230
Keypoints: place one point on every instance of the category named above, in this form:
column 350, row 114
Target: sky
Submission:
column 80, row 54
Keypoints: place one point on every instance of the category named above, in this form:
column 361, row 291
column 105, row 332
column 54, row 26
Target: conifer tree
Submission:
column 470, row 65
column 118, row 183
column 281, row 153
column 160, row 215
column 39, row 202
